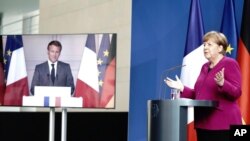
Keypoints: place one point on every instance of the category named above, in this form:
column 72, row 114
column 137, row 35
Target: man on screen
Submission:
column 53, row 72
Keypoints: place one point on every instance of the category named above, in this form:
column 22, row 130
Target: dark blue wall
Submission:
column 159, row 30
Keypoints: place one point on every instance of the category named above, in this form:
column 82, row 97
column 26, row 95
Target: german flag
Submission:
column 244, row 62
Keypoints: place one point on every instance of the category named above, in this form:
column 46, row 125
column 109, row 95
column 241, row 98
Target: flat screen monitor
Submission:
column 89, row 58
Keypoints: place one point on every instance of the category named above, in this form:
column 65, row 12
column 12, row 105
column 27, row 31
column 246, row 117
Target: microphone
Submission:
column 48, row 77
column 163, row 75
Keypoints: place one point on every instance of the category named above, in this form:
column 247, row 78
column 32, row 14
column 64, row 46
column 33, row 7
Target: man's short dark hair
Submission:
column 55, row 43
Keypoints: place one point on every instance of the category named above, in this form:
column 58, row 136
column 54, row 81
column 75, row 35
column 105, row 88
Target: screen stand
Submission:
column 52, row 124
column 64, row 124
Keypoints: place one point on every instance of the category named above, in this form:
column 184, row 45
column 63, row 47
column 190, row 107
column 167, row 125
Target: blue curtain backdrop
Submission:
column 159, row 31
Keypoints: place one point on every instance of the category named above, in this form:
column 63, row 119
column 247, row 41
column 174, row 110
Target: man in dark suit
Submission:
column 53, row 72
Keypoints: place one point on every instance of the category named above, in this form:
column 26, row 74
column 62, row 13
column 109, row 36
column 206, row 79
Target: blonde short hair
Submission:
column 219, row 38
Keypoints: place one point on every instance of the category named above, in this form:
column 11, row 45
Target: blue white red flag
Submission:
column 15, row 71
column 87, row 80
column 193, row 57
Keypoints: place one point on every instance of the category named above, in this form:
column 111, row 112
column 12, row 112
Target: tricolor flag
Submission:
column 2, row 83
column 96, row 78
column 229, row 28
column 52, row 101
column 193, row 57
column 244, row 62
column 87, row 81
column 15, row 71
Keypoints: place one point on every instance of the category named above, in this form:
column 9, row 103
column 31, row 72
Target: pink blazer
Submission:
column 228, row 112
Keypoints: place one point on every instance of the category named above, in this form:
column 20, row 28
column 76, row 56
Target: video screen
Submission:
column 58, row 70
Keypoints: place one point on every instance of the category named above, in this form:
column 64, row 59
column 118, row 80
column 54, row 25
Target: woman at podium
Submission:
column 219, row 80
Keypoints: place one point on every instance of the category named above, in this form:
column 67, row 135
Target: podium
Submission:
column 167, row 119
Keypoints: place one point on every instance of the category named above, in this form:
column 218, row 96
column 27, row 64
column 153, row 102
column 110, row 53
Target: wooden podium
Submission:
column 167, row 119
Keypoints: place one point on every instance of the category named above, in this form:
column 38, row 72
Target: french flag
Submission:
column 56, row 101
column 15, row 71
column 96, row 78
column 193, row 58
column 87, row 81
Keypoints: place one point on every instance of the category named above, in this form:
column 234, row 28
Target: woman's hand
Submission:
column 176, row 84
column 219, row 77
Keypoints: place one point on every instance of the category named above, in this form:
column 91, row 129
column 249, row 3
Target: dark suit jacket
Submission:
column 41, row 76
